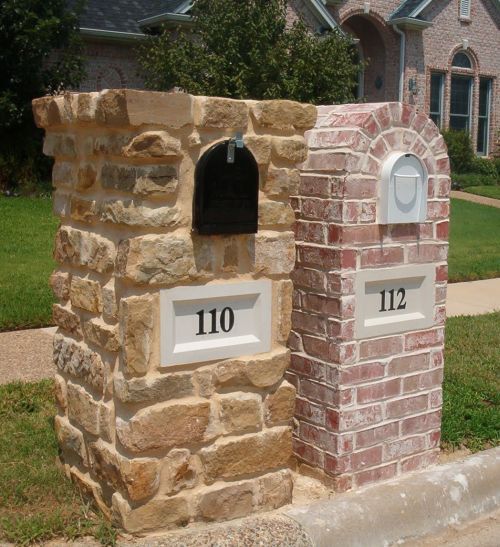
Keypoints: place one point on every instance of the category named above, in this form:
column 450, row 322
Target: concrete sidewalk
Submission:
column 482, row 200
column 473, row 297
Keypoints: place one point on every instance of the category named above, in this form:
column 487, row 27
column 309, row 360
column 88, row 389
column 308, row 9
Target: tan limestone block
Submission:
column 110, row 144
column 66, row 319
column 111, row 108
column 64, row 174
column 231, row 373
column 101, row 334
column 60, row 204
column 60, row 284
column 87, row 176
column 83, row 409
column 109, row 305
column 153, row 144
column 276, row 213
column 90, row 488
column 157, row 514
column 79, row 361
column 70, row 439
column 293, row 149
column 254, row 453
column 281, row 182
column 138, row 478
column 267, row 369
column 165, row 425
column 179, row 471
column 280, row 405
column 260, row 146
column 158, row 388
column 284, row 114
column 173, row 110
column 274, row 490
column 127, row 212
column 273, row 252
column 137, row 329
column 84, row 210
column 53, row 111
column 59, row 145
column 223, row 502
column 85, row 108
column 60, row 392
column 84, row 249
column 241, row 412
column 107, row 422
column 285, row 301
column 155, row 259
column 223, row 113
column 86, row 294
column 41, row 114
column 153, row 181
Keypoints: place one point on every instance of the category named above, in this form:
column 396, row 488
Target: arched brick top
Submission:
column 357, row 138
column 472, row 56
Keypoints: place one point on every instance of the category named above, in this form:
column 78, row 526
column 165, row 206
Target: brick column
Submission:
column 366, row 409
column 160, row 446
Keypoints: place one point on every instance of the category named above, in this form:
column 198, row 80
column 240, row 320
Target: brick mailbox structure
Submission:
column 161, row 446
column 368, row 403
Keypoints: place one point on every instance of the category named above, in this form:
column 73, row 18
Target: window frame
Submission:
column 468, row 116
column 439, row 114
column 486, row 117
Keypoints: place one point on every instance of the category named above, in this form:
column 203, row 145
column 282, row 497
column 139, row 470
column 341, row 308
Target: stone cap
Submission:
column 129, row 107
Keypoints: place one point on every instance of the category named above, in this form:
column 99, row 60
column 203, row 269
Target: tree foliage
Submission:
column 246, row 49
column 39, row 54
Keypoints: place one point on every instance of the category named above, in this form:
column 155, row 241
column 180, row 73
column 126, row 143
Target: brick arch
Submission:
column 470, row 53
column 104, row 72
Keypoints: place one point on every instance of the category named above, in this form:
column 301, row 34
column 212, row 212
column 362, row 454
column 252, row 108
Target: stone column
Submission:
column 164, row 446
column 368, row 408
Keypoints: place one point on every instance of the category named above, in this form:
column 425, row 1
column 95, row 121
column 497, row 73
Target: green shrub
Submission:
column 464, row 180
column 496, row 161
column 484, row 166
column 460, row 151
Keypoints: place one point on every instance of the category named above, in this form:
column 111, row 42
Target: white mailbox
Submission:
column 402, row 195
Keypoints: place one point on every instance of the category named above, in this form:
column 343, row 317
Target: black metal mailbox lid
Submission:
column 226, row 194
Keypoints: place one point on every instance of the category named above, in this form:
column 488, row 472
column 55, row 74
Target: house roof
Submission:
column 410, row 8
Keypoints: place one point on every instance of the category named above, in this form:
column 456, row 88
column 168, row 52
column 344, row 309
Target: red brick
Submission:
column 307, row 322
column 318, row 392
column 312, row 434
column 381, row 347
column 404, row 407
column 364, row 234
column 342, row 354
column 403, row 447
column 378, row 391
column 315, row 185
column 443, row 166
column 335, row 465
column 338, row 138
column 407, row 114
column 442, row 230
column 434, row 438
column 307, row 452
column 419, row 122
column 361, row 373
column 340, row 283
column 305, row 366
column 421, row 461
column 310, row 232
column 359, row 188
column 295, row 342
column 377, row 435
column 366, row 458
column 427, row 252
column 365, row 121
column 316, row 347
column 318, row 303
column 360, row 417
column 418, row 424
column 308, row 278
column 436, row 398
column 309, row 411
column 443, row 187
column 375, row 475
column 326, row 161
column 424, row 339
column 438, row 210
column 324, row 258
column 321, row 209
column 424, row 381
column 409, row 363
column 437, row 358
column 340, row 331
column 442, row 273
column 385, row 256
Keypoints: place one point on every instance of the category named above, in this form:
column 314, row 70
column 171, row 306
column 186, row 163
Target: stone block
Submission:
column 254, row 453
column 101, row 334
column 280, row 405
column 87, row 176
column 79, row 361
column 84, row 249
column 60, row 284
column 138, row 478
column 165, row 425
column 274, row 490
column 86, row 106
column 111, row 145
column 276, row 213
column 179, row 471
column 292, row 149
column 223, row 502
column 156, row 259
column 83, row 409
column 66, row 319
column 222, row 113
column 59, row 145
column 148, row 181
column 84, row 210
column 109, row 305
column 153, row 144
column 266, row 369
column 86, row 294
column 71, row 439
column 159, row 513
column 137, row 323
column 241, row 412
column 284, row 115
column 273, row 253
column 284, row 290
column 129, row 213
column 157, row 388
column 281, row 182
column 60, row 393
column 173, row 110
column 260, row 147
column 64, row 174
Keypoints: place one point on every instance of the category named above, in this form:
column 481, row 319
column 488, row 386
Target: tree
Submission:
column 39, row 54
column 245, row 49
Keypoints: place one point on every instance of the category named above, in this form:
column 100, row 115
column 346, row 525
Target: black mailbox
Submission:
column 226, row 194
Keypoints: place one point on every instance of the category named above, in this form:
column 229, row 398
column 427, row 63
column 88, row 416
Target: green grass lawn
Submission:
column 27, row 229
column 37, row 503
column 487, row 191
column 474, row 241
column 471, row 392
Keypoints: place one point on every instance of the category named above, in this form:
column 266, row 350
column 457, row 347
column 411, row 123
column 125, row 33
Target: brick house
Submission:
column 440, row 55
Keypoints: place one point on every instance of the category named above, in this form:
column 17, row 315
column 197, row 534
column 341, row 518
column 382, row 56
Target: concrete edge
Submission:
column 409, row 507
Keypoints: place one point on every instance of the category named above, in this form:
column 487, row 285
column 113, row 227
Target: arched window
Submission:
column 461, row 60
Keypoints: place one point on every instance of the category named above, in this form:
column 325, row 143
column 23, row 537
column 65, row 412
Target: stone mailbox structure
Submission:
column 161, row 443
column 369, row 302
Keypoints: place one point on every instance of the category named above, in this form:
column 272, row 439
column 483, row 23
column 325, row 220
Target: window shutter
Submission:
column 465, row 8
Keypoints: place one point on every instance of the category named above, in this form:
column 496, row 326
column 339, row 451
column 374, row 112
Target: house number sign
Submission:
column 394, row 300
column 208, row 322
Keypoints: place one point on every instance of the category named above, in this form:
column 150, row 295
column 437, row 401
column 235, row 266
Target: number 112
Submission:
column 402, row 302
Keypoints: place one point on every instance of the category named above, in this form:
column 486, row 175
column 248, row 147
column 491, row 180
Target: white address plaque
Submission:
column 394, row 300
column 203, row 323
